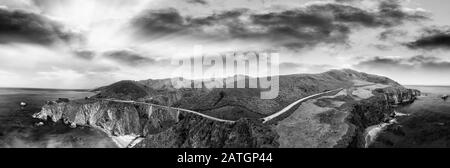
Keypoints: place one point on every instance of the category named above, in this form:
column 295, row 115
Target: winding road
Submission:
column 173, row 108
column 129, row 143
column 265, row 120
column 287, row 108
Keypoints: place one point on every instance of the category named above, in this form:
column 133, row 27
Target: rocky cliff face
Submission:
column 380, row 107
column 162, row 127
column 377, row 109
column 173, row 129
column 114, row 118
column 197, row 132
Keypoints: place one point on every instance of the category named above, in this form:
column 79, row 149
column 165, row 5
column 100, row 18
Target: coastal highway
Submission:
column 265, row 120
column 128, row 141
column 173, row 108
column 287, row 108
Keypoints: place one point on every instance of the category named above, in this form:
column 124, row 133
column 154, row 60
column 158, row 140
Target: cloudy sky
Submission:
column 85, row 44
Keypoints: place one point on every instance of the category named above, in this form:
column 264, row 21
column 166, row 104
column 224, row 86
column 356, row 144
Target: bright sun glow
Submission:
column 102, row 21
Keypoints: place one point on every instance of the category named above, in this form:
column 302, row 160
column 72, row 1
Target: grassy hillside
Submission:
column 234, row 104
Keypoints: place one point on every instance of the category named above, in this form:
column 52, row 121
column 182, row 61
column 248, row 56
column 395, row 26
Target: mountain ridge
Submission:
column 241, row 102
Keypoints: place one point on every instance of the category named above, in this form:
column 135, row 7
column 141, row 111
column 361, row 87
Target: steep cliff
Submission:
column 162, row 127
column 115, row 118
column 197, row 132
column 377, row 109
column 381, row 106
column 339, row 119
column 327, row 121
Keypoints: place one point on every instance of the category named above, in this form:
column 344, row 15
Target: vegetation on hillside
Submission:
column 237, row 103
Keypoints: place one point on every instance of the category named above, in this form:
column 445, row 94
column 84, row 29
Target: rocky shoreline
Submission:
column 338, row 120
column 378, row 112
column 125, row 120
column 164, row 128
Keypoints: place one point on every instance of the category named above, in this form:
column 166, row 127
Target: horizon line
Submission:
column 87, row 89
column 43, row 88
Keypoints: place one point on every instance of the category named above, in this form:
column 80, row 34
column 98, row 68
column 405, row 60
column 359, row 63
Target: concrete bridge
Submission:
column 173, row 108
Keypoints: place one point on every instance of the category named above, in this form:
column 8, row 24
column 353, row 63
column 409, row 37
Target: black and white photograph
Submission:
column 221, row 74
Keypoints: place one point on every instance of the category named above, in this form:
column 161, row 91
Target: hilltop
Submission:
column 125, row 90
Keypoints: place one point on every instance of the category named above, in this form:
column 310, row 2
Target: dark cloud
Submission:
column 328, row 23
column 169, row 21
column 201, row 2
column 418, row 62
column 21, row 26
column 378, row 61
column 432, row 38
column 165, row 21
column 392, row 13
column 85, row 54
column 128, row 58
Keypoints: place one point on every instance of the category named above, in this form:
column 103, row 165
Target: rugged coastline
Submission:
column 121, row 119
column 338, row 120
column 379, row 110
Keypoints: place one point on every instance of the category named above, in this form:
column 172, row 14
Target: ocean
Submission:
column 426, row 124
column 19, row 130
